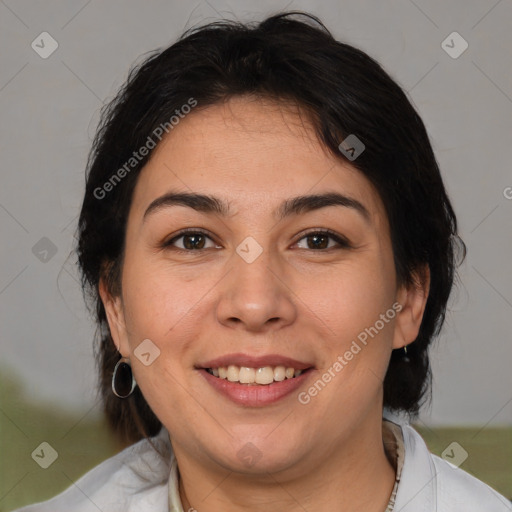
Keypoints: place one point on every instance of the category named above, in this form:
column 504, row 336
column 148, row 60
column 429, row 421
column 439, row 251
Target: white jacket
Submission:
column 137, row 480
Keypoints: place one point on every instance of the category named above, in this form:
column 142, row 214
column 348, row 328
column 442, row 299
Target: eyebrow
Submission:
column 292, row 206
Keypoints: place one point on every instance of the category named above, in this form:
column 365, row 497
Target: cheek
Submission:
column 159, row 309
column 353, row 298
column 357, row 305
column 155, row 295
column 163, row 304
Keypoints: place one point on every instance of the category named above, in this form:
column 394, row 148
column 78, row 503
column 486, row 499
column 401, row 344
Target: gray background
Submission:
column 50, row 107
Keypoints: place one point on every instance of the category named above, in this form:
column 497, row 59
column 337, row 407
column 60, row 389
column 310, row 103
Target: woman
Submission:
column 270, row 248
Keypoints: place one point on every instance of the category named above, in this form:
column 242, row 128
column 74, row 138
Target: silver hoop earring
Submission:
column 123, row 381
column 406, row 357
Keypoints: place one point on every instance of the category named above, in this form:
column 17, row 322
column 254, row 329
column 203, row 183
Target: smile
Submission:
column 262, row 376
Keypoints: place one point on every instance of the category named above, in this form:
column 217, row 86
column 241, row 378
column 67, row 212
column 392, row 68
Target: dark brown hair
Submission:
column 287, row 57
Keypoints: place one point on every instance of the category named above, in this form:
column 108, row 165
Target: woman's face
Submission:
column 257, row 284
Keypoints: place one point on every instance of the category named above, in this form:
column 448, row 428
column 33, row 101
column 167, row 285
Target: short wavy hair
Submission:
column 288, row 57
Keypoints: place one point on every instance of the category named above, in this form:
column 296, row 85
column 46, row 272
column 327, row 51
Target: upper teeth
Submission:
column 246, row 375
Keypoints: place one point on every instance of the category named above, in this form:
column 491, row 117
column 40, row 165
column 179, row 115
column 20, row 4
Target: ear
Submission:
column 115, row 317
column 413, row 299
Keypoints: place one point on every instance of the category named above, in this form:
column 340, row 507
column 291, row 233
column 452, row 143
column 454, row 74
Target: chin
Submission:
column 262, row 451
column 251, row 460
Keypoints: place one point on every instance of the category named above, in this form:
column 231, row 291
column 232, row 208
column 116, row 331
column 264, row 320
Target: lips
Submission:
column 256, row 361
column 255, row 381
column 254, row 376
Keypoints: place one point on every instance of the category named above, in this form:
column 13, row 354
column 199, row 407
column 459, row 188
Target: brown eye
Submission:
column 319, row 240
column 191, row 240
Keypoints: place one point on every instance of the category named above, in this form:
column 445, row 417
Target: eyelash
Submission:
column 342, row 242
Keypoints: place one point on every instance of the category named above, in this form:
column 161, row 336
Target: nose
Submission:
column 256, row 296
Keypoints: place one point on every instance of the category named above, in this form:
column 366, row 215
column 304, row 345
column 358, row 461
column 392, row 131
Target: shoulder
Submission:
column 431, row 483
column 457, row 488
column 134, row 479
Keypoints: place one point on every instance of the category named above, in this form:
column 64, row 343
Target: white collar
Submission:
column 175, row 504
column 140, row 479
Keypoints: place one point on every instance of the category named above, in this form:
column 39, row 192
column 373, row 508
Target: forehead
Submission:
column 253, row 154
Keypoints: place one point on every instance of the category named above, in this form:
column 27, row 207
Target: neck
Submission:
column 355, row 476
